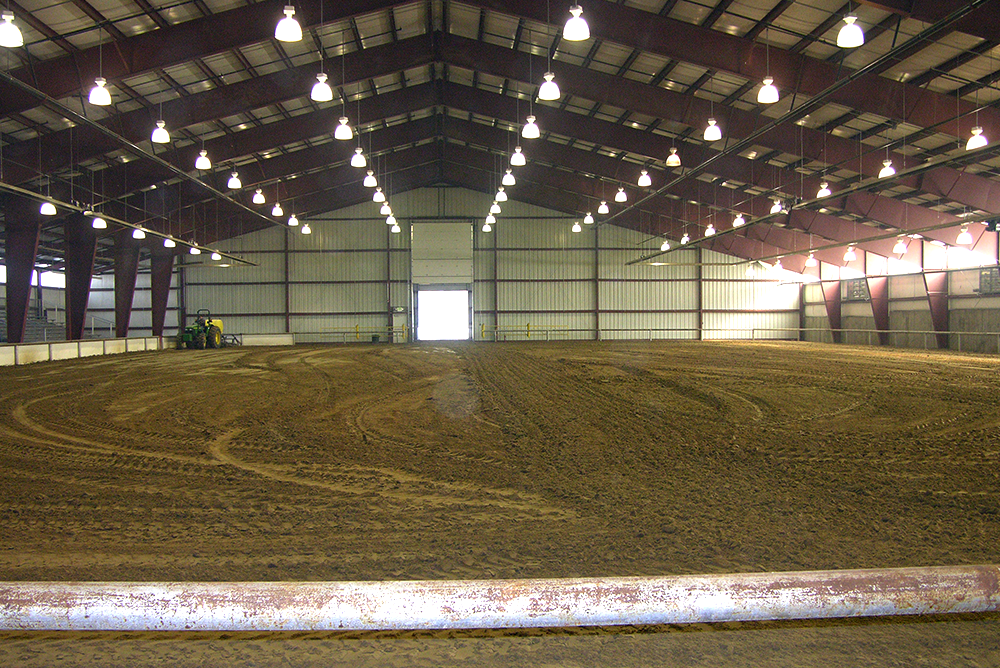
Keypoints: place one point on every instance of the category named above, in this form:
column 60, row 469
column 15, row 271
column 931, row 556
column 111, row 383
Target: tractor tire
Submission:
column 200, row 340
column 214, row 337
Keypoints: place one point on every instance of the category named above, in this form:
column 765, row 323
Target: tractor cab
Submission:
column 206, row 332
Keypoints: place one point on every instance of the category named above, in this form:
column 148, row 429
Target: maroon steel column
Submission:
column 21, row 243
column 937, row 295
column 126, row 270
column 162, row 271
column 79, row 249
column 831, row 295
column 878, row 289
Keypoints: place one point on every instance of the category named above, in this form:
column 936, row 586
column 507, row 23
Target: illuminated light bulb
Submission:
column 887, row 169
column 370, row 180
column 851, row 35
column 169, row 243
column 138, row 233
column 288, row 29
column 977, row 140
column 487, row 228
column 99, row 95
column 739, row 220
column 603, row 208
column 216, row 255
column 306, row 229
column 202, row 162
column 644, row 180
column 673, row 160
column 47, row 209
column 358, row 159
column 160, row 134
column 258, row 197
column 321, row 91
column 530, row 129
column 588, row 219
column 824, row 190
column 768, row 93
column 276, row 210
column 343, row 132
column 900, row 247
column 665, row 246
column 750, row 272
column 99, row 223
column 777, row 265
column 390, row 220
column 710, row 230
column 964, row 237
column 501, row 196
column 385, row 209
column 10, row 34
column 293, row 221
column 234, row 182
column 508, row 179
column 713, row 132
column 576, row 227
column 490, row 219
column 550, row 89
column 395, row 228
column 850, row 255
column 378, row 195
column 517, row 158
column 686, row 238
column 811, row 261
column 495, row 208
column 195, row 250
column 776, row 207
column 576, row 28
column 620, row 196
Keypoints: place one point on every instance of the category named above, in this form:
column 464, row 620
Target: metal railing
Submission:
column 356, row 333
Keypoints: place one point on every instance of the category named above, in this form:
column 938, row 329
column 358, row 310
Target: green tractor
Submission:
column 206, row 332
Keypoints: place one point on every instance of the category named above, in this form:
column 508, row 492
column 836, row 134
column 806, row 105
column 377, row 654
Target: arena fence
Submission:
column 489, row 604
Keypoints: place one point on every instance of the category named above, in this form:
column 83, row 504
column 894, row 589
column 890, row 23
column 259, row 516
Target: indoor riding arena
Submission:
column 514, row 334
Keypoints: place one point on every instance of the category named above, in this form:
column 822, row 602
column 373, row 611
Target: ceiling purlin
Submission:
column 985, row 24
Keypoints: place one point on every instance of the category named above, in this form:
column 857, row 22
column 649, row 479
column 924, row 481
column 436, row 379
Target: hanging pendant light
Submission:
column 10, row 34
column 673, row 160
column 576, row 227
column 620, row 196
column 343, row 131
column 900, row 247
column 824, row 190
column 216, row 255
column 777, row 265
column 977, row 140
column 169, row 243
column 576, row 28
column 684, row 239
column 508, row 179
column 99, row 223
column 768, row 93
column 234, row 181
column 713, row 132
column 160, row 134
column 776, row 207
column 276, row 210
column 665, row 246
column 378, row 196
column 549, row 90
column 395, row 228
column 851, row 35
column 385, row 209
column 588, row 219
column 258, row 197
column 138, row 233
column 195, row 250
column 321, row 91
column 739, row 220
column 487, row 227
column 887, row 169
column 964, row 237
column 530, row 129
column 644, row 180
column 288, row 29
column 293, row 221
column 390, row 219
column 811, row 261
column 495, row 208
column 501, row 196
column 850, row 255
column 47, row 209
column 202, row 162
column 99, row 95
column 306, row 229
column 603, row 208
column 750, row 273
column 491, row 219
column 517, row 158
column 370, row 180
column 358, row 159
column 710, row 230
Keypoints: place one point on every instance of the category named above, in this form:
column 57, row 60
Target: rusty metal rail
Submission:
column 285, row 606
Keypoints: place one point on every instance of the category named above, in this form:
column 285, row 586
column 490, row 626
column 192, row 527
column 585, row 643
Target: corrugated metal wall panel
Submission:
column 743, row 295
column 342, row 235
column 814, row 293
column 540, row 234
column 338, row 298
column 648, row 295
column 963, row 282
column 722, row 267
column 815, row 311
column 903, row 287
column 543, row 326
column 256, row 324
column 526, row 296
column 649, row 325
column 613, row 266
column 545, row 265
column 235, row 299
column 346, row 266
column 751, row 325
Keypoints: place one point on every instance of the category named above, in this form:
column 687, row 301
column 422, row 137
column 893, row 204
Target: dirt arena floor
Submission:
column 517, row 460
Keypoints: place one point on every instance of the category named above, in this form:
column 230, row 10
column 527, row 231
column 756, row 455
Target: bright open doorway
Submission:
column 442, row 315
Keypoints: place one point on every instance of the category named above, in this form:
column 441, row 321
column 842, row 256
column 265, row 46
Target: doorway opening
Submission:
column 443, row 315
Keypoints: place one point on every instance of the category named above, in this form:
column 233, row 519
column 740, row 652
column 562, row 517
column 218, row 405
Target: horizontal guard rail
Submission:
column 487, row 604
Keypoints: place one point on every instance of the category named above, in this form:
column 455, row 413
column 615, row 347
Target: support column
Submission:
column 161, row 273
column 20, row 244
column 79, row 250
column 831, row 295
column 936, row 284
column 700, row 284
column 126, row 271
column 878, row 290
